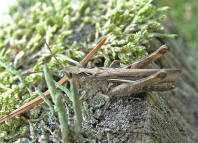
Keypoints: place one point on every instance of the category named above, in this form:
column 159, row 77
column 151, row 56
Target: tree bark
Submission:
column 152, row 117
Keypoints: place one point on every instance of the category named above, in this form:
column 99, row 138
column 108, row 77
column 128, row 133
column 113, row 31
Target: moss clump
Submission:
column 71, row 28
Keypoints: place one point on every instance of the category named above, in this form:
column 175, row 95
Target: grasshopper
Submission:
column 115, row 81
column 129, row 79
column 107, row 92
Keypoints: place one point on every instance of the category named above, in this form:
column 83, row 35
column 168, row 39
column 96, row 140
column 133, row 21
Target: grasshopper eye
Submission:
column 161, row 74
column 69, row 75
column 68, row 85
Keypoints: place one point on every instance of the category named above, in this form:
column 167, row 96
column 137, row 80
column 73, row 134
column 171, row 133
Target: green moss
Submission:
column 71, row 28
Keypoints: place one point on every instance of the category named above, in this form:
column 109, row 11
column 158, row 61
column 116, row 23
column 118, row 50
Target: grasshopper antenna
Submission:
column 54, row 55
column 38, row 99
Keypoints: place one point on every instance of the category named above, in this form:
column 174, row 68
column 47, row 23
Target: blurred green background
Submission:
column 184, row 14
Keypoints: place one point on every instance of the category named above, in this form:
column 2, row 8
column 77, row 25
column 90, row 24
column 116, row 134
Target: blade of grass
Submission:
column 46, row 100
column 69, row 59
column 15, row 72
column 60, row 108
column 76, row 107
column 74, row 97
column 50, row 83
column 64, row 89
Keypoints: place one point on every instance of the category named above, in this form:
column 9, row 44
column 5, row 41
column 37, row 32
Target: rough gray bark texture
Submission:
column 164, row 117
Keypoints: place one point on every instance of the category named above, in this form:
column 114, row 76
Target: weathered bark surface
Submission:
column 175, row 116
column 163, row 117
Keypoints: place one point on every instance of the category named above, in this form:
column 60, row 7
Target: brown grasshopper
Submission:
column 116, row 81
column 129, row 79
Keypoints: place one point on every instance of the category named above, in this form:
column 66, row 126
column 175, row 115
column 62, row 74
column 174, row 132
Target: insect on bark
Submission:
column 116, row 81
column 129, row 79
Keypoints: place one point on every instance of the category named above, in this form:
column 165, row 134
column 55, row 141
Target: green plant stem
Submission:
column 64, row 89
column 47, row 101
column 15, row 72
column 60, row 108
column 76, row 107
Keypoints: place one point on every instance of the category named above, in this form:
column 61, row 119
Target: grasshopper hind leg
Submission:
column 142, row 63
column 137, row 86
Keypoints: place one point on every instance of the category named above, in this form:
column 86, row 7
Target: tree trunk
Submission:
column 163, row 117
